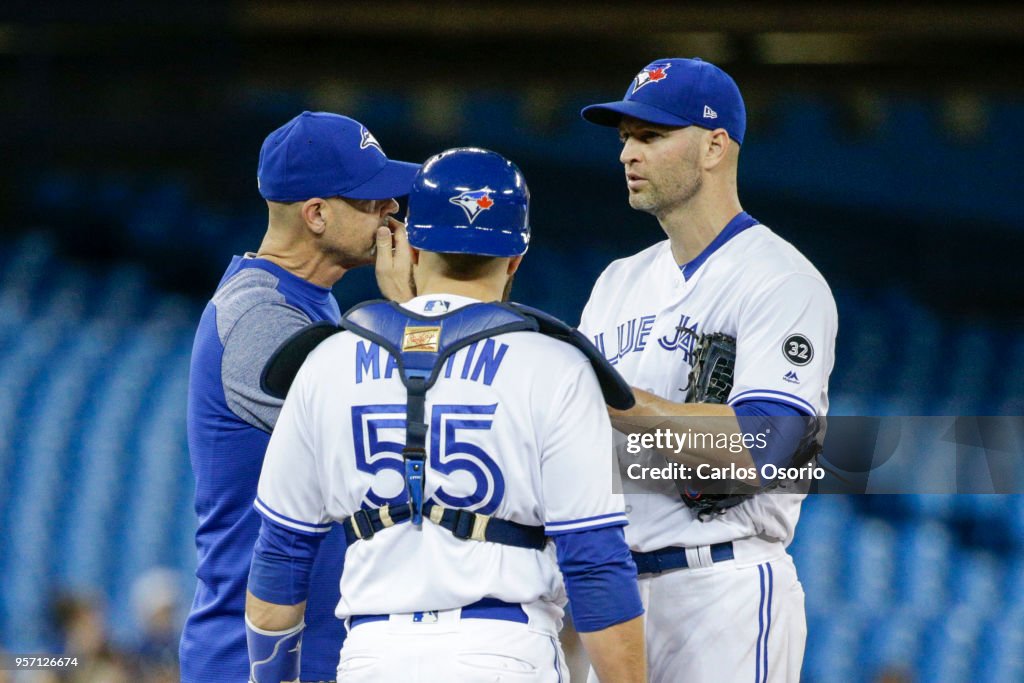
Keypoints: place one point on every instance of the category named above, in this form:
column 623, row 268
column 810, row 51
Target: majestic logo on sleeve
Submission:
column 369, row 141
column 797, row 349
column 474, row 202
column 651, row 74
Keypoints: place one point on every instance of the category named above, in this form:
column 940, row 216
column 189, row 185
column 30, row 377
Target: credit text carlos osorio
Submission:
column 731, row 472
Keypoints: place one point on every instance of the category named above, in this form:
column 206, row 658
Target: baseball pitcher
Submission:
column 723, row 291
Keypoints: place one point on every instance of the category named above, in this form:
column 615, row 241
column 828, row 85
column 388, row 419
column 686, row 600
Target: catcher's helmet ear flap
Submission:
column 469, row 201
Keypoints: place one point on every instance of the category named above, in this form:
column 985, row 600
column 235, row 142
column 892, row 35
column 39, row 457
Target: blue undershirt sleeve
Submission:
column 778, row 426
column 282, row 562
column 600, row 578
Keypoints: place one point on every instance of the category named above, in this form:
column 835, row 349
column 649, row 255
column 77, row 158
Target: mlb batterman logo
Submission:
column 473, row 202
column 654, row 73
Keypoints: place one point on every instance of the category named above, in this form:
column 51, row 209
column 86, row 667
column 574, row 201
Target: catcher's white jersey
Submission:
column 750, row 284
column 517, row 428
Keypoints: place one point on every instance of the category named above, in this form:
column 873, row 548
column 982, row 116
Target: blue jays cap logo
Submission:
column 368, row 140
column 655, row 73
column 473, row 202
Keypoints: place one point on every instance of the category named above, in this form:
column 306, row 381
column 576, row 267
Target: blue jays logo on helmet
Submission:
column 473, row 202
column 492, row 194
column 654, row 73
column 368, row 140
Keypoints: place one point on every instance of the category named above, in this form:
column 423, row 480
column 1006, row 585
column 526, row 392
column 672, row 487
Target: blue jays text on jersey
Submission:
column 632, row 337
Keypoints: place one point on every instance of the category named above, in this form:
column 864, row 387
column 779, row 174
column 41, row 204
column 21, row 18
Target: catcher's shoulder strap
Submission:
column 280, row 369
column 381, row 321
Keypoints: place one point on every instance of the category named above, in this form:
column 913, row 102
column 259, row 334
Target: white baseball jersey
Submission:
column 517, row 429
column 751, row 284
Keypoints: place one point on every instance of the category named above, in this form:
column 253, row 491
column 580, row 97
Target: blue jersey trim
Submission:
column 738, row 224
column 773, row 395
column 768, row 618
column 585, row 519
column 618, row 521
column 760, row 626
column 270, row 514
column 558, row 666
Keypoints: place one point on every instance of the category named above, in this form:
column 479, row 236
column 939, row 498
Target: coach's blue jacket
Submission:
column 257, row 306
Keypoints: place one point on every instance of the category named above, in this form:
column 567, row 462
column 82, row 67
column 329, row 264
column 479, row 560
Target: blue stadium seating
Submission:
column 92, row 445
column 97, row 486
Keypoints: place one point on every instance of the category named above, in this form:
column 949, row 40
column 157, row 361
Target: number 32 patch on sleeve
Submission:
column 797, row 349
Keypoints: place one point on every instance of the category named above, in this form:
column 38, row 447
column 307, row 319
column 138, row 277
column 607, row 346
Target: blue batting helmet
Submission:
column 469, row 201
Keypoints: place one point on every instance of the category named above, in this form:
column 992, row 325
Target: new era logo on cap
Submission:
column 709, row 113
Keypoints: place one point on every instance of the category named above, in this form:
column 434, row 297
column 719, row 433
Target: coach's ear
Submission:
column 715, row 148
column 313, row 214
column 513, row 264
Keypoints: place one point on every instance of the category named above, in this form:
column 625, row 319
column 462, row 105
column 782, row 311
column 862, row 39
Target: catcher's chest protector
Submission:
column 420, row 346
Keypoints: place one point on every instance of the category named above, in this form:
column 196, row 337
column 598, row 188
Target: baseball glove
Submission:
column 710, row 378
column 710, row 381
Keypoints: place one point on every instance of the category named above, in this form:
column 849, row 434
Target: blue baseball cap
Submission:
column 318, row 154
column 678, row 92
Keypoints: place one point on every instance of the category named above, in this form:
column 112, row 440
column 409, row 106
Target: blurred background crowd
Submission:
column 885, row 142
